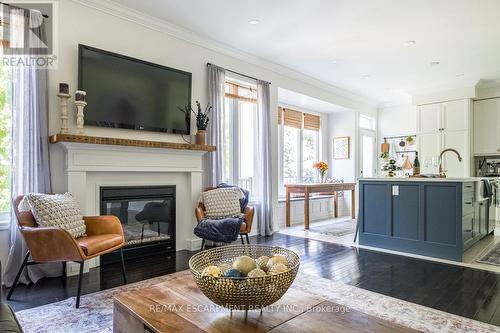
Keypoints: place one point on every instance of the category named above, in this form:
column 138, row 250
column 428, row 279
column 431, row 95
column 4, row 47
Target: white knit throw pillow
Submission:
column 222, row 202
column 55, row 210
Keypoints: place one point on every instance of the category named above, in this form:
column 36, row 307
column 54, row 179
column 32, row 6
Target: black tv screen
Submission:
column 129, row 93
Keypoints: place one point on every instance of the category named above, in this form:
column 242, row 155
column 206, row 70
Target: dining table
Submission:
column 322, row 188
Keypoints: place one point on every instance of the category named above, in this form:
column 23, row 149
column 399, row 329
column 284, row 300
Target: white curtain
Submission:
column 30, row 156
column 264, row 179
column 213, row 161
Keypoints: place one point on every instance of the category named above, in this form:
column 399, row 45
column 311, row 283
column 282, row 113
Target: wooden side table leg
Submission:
column 335, row 204
column 353, row 203
column 306, row 209
column 287, row 208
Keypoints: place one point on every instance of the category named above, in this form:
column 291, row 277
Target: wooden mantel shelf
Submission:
column 56, row 138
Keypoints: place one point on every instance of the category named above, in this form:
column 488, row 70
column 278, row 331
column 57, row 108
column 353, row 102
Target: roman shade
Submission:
column 297, row 119
column 292, row 118
column 311, row 122
column 240, row 92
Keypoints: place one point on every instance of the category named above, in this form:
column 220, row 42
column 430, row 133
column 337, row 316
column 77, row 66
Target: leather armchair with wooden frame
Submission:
column 246, row 226
column 52, row 244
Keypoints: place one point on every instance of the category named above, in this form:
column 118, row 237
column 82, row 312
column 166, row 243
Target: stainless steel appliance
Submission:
column 489, row 168
column 495, row 203
column 482, row 209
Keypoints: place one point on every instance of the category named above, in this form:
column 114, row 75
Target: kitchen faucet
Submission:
column 441, row 172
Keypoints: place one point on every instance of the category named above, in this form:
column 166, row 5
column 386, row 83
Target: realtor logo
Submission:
column 28, row 34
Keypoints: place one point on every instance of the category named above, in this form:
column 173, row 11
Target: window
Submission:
column 5, row 143
column 368, row 150
column 309, row 155
column 290, row 151
column 299, row 146
column 366, row 122
column 239, row 122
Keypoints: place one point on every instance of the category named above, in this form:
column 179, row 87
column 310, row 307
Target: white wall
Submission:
column 343, row 124
column 137, row 38
column 397, row 120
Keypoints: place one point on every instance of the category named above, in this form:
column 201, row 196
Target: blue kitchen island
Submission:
column 433, row 217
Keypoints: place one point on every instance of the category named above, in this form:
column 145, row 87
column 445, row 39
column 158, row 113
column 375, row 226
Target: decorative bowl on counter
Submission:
column 243, row 293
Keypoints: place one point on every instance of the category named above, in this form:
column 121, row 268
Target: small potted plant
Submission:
column 322, row 167
column 202, row 120
column 410, row 140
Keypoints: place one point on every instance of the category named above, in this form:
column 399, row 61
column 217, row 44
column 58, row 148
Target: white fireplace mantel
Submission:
column 89, row 166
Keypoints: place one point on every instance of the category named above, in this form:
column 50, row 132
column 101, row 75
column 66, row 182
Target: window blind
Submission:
column 298, row 119
column 312, row 122
column 292, row 118
column 240, row 92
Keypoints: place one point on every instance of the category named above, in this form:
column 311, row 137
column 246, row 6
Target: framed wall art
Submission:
column 341, row 148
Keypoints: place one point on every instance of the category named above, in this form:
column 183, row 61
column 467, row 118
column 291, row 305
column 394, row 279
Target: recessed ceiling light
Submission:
column 435, row 63
column 254, row 22
column 410, row 42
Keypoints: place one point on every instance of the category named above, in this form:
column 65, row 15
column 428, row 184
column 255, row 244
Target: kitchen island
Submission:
column 434, row 217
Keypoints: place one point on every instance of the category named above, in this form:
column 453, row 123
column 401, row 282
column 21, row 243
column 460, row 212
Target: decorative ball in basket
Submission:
column 244, row 277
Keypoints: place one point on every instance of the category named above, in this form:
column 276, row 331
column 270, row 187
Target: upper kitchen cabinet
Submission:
column 486, row 127
column 447, row 116
column 456, row 115
column 445, row 125
column 429, row 118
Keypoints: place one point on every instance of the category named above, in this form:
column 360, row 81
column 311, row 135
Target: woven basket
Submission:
column 243, row 293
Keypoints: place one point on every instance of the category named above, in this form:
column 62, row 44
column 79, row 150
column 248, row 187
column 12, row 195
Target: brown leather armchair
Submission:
column 245, row 228
column 52, row 244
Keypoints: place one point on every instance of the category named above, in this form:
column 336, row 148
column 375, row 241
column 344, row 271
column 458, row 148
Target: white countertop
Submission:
column 407, row 179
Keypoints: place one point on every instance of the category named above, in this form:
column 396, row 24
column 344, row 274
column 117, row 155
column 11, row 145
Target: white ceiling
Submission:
column 355, row 45
column 292, row 98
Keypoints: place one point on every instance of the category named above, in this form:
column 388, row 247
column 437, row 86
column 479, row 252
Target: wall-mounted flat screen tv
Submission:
column 124, row 92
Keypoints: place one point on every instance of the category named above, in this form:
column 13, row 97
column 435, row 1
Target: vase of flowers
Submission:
column 201, row 121
column 322, row 168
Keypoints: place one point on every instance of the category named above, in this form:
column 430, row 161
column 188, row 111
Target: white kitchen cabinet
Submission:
column 440, row 126
column 429, row 118
column 487, row 127
column 455, row 115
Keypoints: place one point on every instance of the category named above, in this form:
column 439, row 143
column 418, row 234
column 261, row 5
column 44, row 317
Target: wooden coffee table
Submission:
column 179, row 306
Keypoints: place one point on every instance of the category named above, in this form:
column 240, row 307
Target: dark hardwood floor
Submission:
column 459, row 290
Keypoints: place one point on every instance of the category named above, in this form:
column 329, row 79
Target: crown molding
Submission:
column 486, row 84
column 112, row 8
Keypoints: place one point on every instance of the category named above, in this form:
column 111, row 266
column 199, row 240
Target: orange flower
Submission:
column 321, row 166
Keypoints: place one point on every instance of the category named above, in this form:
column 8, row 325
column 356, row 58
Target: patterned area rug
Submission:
column 336, row 229
column 96, row 311
column 492, row 257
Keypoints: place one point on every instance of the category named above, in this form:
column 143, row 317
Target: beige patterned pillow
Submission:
column 56, row 210
column 222, row 202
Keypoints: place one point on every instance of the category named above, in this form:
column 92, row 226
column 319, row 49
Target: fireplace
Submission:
column 147, row 214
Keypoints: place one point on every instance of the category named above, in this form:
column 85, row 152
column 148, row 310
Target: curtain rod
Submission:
column 248, row 76
column 6, row 4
